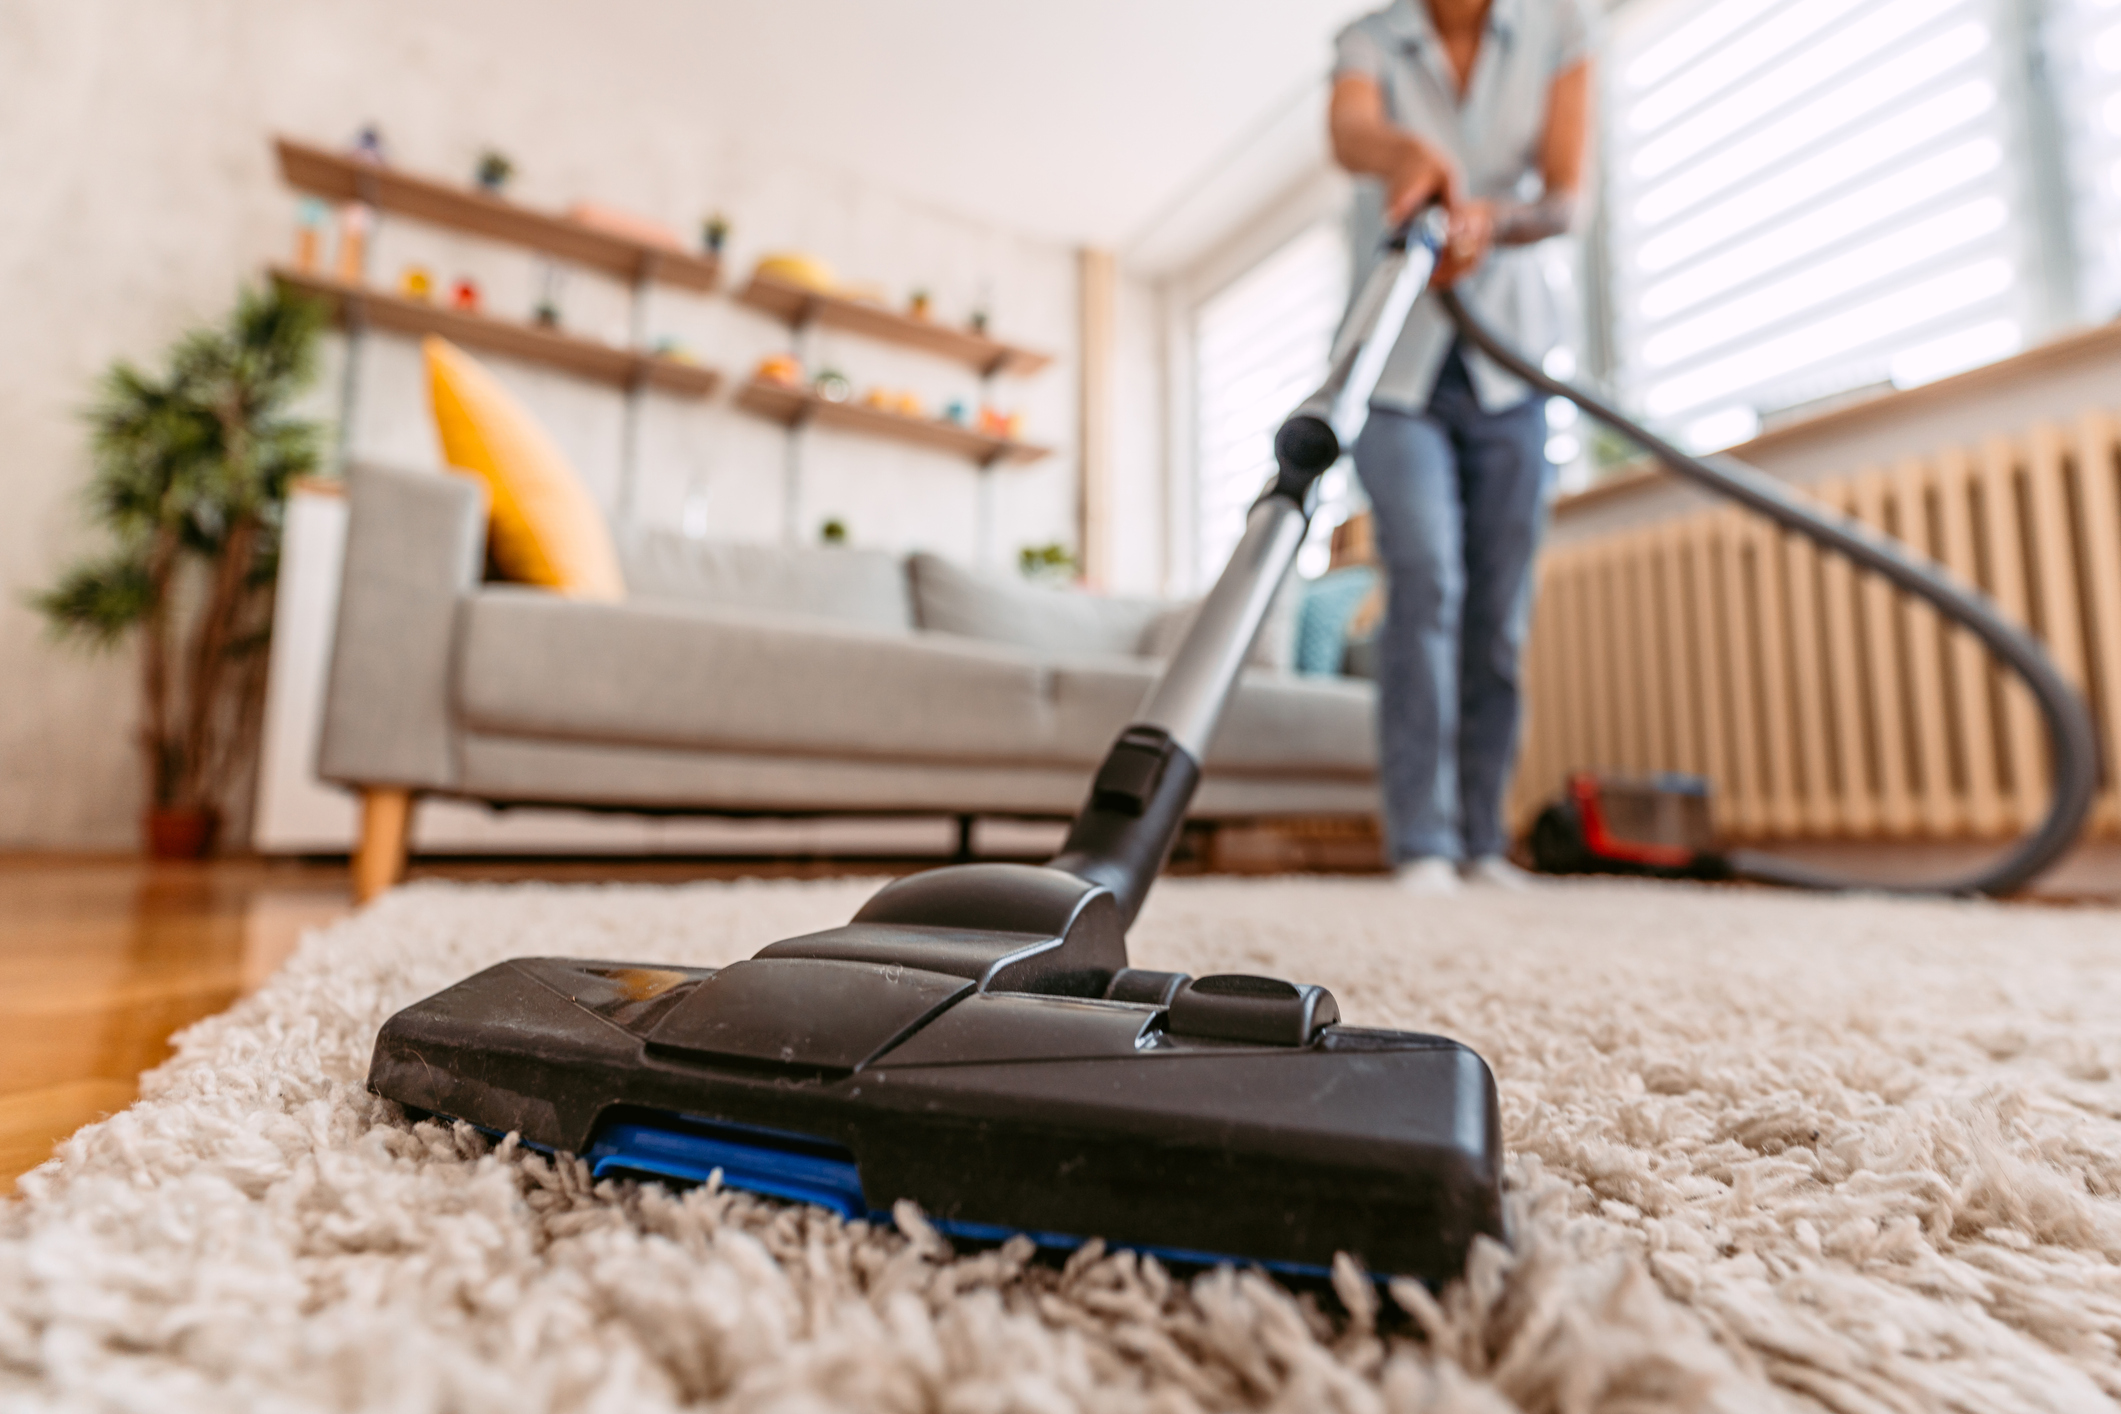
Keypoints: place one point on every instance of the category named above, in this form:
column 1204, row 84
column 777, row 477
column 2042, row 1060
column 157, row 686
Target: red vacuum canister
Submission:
column 1655, row 825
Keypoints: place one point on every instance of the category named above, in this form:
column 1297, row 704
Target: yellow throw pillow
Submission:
column 545, row 529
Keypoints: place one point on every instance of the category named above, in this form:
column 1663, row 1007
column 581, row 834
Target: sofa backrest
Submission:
column 866, row 587
column 1056, row 623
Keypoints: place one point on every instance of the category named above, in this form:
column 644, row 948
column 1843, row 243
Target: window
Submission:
column 1260, row 347
column 1807, row 198
column 2084, row 45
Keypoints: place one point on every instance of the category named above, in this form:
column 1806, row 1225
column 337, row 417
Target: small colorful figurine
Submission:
column 310, row 218
column 877, row 398
column 368, row 146
column 714, row 233
column 781, row 370
column 908, row 405
column 996, row 423
column 355, row 222
column 416, row 283
column 493, row 171
column 464, row 295
column 954, row 411
column 832, row 386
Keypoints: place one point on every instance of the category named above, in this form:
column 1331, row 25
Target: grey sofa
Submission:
column 751, row 680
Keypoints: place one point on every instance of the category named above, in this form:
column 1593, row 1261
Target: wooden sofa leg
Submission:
column 386, row 823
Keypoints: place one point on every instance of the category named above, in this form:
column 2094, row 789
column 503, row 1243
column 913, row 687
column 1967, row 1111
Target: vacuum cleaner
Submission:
column 976, row 1041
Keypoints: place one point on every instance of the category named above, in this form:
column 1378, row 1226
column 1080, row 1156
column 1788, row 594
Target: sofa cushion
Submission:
column 853, row 586
column 1275, row 722
column 657, row 673
column 546, row 529
column 1273, row 647
column 1053, row 623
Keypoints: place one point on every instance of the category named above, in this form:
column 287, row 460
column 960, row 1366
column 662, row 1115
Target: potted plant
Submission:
column 191, row 470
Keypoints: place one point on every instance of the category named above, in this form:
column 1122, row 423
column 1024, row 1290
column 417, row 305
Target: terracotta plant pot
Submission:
column 181, row 831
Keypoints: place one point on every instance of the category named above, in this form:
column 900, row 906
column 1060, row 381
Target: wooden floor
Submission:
column 103, row 959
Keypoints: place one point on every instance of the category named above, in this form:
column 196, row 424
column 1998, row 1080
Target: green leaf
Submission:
column 97, row 602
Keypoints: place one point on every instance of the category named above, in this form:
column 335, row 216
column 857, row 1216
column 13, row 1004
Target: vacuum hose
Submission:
column 2073, row 745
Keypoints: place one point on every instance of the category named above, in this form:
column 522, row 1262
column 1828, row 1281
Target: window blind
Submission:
column 1805, row 197
column 2083, row 48
column 1260, row 347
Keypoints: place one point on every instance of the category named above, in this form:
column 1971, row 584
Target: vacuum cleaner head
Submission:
column 974, row 1041
column 1659, row 826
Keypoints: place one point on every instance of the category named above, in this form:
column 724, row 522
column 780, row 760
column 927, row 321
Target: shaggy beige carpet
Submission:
column 1766, row 1152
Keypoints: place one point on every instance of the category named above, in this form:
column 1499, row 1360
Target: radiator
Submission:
column 1817, row 700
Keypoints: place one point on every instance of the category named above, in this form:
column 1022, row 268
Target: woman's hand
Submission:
column 1420, row 174
column 1468, row 238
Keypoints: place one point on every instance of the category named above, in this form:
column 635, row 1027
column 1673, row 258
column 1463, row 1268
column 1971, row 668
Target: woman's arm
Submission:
column 1367, row 143
column 1562, row 156
column 1478, row 226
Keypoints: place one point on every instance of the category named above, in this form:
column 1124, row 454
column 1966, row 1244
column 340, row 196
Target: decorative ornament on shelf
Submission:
column 368, row 146
column 832, row 386
column 793, row 267
column 714, row 233
column 908, row 405
column 356, row 220
column 879, row 398
column 1046, row 562
column 464, row 295
column 311, row 217
column 996, row 423
column 955, row 411
column 415, row 282
column 192, row 464
column 832, row 532
column 673, row 349
column 977, row 321
column 918, row 306
column 781, row 370
column 493, row 172
column 624, row 224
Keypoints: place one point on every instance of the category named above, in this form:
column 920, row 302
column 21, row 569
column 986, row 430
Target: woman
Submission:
column 1482, row 105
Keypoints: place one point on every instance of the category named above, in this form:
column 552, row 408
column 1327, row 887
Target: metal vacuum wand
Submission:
column 1138, row 801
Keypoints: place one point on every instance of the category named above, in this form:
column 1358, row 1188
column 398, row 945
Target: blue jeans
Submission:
column 1458, row 496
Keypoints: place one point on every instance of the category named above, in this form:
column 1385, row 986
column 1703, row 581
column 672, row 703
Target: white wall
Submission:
column 140, row 191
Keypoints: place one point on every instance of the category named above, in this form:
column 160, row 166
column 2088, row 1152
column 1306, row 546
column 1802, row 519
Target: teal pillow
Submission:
column 1322, row 621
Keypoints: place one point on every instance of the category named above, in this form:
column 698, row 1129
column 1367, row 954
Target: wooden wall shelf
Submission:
column 586, row 358
column 795, row 305
column 792, row 406
column 342, row 177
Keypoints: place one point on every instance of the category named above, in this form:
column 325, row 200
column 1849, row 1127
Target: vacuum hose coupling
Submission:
column 1304, row 449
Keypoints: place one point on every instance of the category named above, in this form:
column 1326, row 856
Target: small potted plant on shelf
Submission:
column 1046, row 562
column 493, row 171
column 192, row 467
column 714, row 233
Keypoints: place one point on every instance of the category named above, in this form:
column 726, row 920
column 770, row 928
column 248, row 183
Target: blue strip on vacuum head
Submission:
column 758, row 1161
column 804, row 1170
